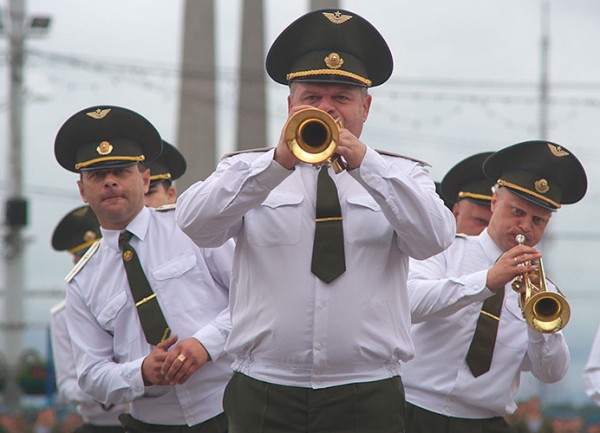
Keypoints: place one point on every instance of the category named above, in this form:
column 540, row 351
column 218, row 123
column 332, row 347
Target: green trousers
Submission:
column 253, row 406
column 419, row 420
column 218, row 424
column 89, row 428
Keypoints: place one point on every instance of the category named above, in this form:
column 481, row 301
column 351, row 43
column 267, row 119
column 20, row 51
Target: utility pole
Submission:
column 18, row 27
column 544, row 54
column 543, row 388
column 324, row 4
column 16, row 205
column 251, row 131
column 197, row 139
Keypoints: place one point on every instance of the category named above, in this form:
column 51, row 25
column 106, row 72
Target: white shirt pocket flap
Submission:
column 175, row 267
column 278, row 198
column 364, row 201
column 110, row 310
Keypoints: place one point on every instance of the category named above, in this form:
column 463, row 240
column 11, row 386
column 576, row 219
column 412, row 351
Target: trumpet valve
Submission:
column 517, row 284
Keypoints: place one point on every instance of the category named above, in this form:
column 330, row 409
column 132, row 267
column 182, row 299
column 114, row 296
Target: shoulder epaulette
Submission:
column 397, row 155
column 58, row 307
column 166, row 207
column 239, row 152
column 82, row 262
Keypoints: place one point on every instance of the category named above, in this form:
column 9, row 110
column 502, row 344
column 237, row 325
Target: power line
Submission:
column 199, row 72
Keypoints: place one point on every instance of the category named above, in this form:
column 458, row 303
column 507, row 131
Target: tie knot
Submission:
column 125, row 237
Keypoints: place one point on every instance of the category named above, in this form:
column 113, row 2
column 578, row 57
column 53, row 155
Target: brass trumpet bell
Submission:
column 547, row 312
column 544, row 311
column 312, row 136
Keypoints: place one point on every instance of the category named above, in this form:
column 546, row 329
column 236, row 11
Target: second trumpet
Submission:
column 544, row 311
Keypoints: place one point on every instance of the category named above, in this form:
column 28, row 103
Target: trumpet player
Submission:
column 471, row 338
column 319, row 304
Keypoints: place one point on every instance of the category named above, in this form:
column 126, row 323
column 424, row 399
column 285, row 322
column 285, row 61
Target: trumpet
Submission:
column 544, row 311
column 312, row 136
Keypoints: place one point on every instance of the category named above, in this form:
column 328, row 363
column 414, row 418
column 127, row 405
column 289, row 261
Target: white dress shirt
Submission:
column 289, row 327
column 69, row 392
column 191, row 285
column 591, row 371
column 446, row 293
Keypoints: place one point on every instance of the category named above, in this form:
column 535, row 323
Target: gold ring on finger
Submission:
column 181, row 357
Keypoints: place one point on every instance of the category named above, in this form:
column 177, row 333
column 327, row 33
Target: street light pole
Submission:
column 544, row 64
column 16, row 205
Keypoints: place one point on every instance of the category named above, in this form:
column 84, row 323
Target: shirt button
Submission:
column 320, row 306
column 318, row 346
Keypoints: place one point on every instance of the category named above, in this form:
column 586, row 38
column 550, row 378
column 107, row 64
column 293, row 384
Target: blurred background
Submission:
column 469, row 76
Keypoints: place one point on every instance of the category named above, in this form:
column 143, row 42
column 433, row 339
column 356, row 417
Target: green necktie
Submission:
column 151, row 317
column 328, row 260
column 479, row 357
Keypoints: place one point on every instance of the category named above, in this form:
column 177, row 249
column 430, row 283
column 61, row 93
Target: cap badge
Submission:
column 542, row 186
column 557, row 150
column 127, row 255
column 89, row 236
column 334, row 61
column 336, row 17
column 98, row 114
column 104, row 148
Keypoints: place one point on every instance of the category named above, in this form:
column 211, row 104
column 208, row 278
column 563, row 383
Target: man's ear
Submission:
column 81, row 191
column 456, row 209
column 146, row 180
column 367, row 106
column 494, row 202
column 171, row 194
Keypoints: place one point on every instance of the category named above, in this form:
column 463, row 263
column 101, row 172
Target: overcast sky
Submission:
column 465, row 80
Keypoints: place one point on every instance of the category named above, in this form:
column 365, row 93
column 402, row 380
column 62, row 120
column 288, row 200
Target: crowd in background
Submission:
column 530, row 417
column 43, row 420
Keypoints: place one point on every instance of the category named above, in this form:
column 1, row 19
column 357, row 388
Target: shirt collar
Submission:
column 138, row 226
column 492, row 250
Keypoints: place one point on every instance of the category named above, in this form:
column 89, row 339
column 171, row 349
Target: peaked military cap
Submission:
column 542, row 172
column 466, row 181
column 170, row 165
column 332, row 46
column 104, row 137
column 76, row 231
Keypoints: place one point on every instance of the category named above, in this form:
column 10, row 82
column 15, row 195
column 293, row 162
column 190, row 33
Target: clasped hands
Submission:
column 167, row 365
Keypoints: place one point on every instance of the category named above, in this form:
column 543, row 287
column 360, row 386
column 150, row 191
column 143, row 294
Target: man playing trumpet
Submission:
column 471, row 338
column 319, row 304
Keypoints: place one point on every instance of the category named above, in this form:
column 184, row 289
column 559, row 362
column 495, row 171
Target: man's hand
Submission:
column 282, row 153
column 183, row 360
column 152, row 364
column 511, row 264
column 351, row 148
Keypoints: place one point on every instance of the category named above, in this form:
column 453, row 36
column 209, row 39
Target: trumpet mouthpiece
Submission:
column 520, row 239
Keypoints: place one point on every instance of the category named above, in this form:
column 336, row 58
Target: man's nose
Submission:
column 525, row 225
column 110, row 180
column 326, row 105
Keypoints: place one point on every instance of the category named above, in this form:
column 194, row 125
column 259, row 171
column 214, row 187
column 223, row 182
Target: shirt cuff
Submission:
column 213, row 339
column 372, row 162
column 474, row 285
column 134, row 376
column 268, row 172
